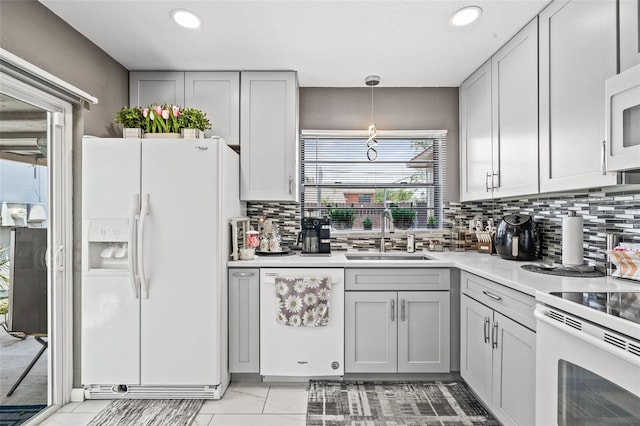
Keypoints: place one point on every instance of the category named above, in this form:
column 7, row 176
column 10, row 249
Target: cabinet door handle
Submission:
column 494, row 175
column 486, row 181
column 486, row 327
column 243, row 274
column 402, row 309
column 393, row 310
column 290, row 185
column 603, row 158
column 491, row 295
column 494, row 335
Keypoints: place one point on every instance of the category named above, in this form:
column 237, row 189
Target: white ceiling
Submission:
column 331, row 43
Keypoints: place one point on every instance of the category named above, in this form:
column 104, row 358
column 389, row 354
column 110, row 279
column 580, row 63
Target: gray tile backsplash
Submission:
column 602, row 213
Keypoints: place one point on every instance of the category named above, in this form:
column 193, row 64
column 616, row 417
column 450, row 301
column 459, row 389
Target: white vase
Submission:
column 132, row 132
column 192, row 133
column 162, row 135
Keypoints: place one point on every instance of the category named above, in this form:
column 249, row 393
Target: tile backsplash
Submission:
column 602, row 213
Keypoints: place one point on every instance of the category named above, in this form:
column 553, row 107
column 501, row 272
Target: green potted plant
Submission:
column 341, row 217
column 403, row 217
column 131, row 120
column 431, row 222
column 193, row 123
column 367, row 223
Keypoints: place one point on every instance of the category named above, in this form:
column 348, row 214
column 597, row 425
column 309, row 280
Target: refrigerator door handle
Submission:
column 132, row 250
column 144, row 211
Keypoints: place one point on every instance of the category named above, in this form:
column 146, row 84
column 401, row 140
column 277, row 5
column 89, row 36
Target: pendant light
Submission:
column 372, row 142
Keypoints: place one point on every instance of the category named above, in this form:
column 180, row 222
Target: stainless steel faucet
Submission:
column 386, row 214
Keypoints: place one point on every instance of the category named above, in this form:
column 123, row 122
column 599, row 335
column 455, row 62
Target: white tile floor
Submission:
column 243, row 404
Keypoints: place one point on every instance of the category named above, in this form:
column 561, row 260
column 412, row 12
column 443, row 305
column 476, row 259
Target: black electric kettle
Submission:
column 518, row 238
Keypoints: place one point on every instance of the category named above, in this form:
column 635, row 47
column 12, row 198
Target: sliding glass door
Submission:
column 36, row 246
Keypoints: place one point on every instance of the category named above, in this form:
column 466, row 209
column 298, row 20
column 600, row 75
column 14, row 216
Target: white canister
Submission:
column 264, row 243
column 411, row 243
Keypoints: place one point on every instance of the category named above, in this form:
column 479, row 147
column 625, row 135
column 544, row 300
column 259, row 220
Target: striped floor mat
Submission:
column 148, row 412
column 394, row 403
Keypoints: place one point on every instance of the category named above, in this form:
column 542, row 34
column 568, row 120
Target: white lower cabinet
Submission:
column 497, row 360
column 397, row 332
column 244, row 320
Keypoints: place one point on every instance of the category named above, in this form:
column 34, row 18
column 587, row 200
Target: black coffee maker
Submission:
column 316, row 236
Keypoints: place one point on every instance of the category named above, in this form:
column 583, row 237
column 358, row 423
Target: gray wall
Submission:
column 32, row 32
column 394, row 108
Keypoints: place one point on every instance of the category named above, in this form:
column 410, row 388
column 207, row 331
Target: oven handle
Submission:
column 541, row 315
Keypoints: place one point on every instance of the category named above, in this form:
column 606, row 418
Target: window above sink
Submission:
column 340, row 182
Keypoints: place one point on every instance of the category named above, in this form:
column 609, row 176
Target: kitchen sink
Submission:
column 386, row 256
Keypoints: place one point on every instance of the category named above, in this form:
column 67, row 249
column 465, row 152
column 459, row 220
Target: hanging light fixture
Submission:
column 372, row 142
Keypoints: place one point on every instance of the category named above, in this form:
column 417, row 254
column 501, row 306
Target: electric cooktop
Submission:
column 621, row 304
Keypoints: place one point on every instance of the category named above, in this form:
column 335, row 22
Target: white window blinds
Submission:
column 408, row 175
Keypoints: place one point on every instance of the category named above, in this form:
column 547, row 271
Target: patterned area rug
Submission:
column 394, row 403
column 148, row 412
column 13, row 415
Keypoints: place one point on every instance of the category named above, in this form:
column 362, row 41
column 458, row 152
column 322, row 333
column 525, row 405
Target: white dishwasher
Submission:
column 304, row 349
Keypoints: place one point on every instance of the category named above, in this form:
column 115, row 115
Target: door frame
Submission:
column 59, row 235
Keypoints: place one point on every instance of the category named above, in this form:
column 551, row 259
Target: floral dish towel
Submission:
column 303, row 302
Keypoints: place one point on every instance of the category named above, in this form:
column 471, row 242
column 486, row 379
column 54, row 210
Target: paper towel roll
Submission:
column 572, row 240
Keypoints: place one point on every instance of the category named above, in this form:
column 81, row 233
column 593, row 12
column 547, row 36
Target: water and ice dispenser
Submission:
column 107, row 244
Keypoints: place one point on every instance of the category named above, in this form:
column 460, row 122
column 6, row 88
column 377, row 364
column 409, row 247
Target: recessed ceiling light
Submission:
column 185, row 18
column 465, row 16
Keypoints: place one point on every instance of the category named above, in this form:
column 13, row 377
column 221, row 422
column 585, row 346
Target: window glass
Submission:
column 407, row 178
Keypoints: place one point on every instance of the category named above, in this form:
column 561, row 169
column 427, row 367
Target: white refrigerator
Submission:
column 155, row 216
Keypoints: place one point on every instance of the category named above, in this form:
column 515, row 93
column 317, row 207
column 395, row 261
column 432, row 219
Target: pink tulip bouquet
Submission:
column 161, row 119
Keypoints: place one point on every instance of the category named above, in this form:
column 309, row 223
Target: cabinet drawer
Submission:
column 397, row 279
column 511, row 303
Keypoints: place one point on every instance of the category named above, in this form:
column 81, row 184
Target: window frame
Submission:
column 439, row 184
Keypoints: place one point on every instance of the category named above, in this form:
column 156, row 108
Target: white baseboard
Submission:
column 77, row 395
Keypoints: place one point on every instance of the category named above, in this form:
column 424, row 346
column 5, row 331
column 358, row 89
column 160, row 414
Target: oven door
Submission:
column 622, row 113
column 584, row 374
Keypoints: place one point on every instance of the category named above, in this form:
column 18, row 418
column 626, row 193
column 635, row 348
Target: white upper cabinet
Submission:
column 475, row 135
column 499, row 122
column 514, row 71
column 215, row 93
column 629, row 18
column 269, row 136
column 156, row 87
column 577, row 54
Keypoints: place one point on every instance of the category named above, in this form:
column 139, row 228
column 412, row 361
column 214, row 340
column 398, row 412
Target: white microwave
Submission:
column 622, row 120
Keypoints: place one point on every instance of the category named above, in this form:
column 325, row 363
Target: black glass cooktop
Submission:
column 625, row 305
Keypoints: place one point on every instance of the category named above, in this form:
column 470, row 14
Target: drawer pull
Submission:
column 487, row 326
column 402, row 309
column 393, row 310
column 491, row 295
column 243, row 274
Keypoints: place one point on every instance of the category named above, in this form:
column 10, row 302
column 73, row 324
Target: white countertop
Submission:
column 494, row 268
